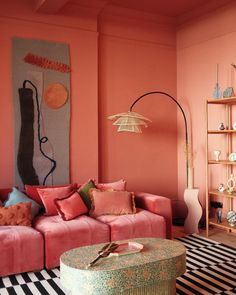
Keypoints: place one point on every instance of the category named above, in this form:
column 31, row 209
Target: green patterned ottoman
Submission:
column 152, row 271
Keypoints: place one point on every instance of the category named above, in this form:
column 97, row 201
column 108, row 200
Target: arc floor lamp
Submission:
column 132, row 122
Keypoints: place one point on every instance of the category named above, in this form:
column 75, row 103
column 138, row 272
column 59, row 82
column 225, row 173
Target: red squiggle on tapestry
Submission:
column 45, row 63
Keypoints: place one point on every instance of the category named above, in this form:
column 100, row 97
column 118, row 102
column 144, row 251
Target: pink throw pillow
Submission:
column 111, row 203
column 119, row 185
column 71, row 206
column 48, row 195
column 31, row 191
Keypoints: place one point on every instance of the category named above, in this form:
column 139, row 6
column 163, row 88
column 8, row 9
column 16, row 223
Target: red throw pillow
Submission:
column 19, row 214
column 71, row 206
column 48, row 195
column 111, row 203
column 119, row 185
column 31, row 191
column 4, row 193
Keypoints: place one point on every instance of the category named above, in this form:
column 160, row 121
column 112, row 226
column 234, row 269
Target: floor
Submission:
column 214, row 234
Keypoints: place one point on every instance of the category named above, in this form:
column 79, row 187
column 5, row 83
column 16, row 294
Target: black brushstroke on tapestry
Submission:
column 43, row 139
column 26, row 141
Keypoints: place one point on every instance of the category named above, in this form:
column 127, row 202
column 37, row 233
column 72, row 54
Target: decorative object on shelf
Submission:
column 217, row 155
column 234, row 126
column 218, row 206
column 221, row 188
column 219, row 215
column 231, row 218
column 231, row 184
column 217, row 92
column 228, row 92
column 221, row 126
column 232, row 157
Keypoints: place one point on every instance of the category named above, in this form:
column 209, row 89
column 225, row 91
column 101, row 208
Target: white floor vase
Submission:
column 194, row 211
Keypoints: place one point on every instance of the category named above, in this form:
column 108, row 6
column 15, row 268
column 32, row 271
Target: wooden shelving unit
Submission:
column 228, row 133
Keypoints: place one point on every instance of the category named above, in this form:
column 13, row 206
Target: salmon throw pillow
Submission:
column 19, row 214
column 71, row 206
column 111, row 203
column 48, row 195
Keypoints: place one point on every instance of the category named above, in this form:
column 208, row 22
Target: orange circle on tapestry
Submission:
column 55, row 95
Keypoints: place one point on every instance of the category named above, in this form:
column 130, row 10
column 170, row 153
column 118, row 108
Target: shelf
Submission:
column 224, row 225
column 228, row 100
column 215, row 192
column 222, row 162
column 221, row 131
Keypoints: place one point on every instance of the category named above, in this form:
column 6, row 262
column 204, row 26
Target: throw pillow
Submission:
column 119, row 185
column 19, row 214
column 17, row 196
column 4, row 193
column 0, row 203
column 84, row 192
column 71, row 206
column 31, row 191
column 48, row 195
column 111, row 203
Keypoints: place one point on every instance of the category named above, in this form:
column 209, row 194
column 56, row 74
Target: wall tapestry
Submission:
column 41, row 100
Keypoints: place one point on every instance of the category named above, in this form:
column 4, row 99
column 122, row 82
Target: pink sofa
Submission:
column 25, row 248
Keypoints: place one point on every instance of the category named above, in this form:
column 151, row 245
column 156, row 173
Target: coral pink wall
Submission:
column 201, row 44
column 142, row 60
column 133, row 54
column 21, row 22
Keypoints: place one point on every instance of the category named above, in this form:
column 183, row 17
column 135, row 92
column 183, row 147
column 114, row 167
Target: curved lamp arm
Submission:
column 184, row 117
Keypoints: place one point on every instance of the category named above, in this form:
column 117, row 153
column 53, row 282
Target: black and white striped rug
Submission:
column 211, row 269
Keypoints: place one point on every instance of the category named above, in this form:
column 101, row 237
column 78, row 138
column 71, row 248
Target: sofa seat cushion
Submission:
column 21, row 249
column 140, row 225
column 61, row 236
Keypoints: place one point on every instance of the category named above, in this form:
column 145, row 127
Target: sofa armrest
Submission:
column 158, row 205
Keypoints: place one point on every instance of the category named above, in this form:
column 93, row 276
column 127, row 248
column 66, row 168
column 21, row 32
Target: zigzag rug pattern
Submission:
column 211, row 269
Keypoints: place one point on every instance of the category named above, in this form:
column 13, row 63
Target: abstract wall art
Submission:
column 41, row 103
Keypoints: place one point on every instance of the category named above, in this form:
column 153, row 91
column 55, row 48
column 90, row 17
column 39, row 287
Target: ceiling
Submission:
column 170, row 8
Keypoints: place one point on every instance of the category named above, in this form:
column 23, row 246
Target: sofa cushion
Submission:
column 84, row 192
column 21, row 249
column 140, row 225
column 111, row 202
column 32, row 192
column 49, row 195
column 61, row 236
column 19, row 214
column 4, row 193
column 119, row 185
column 71, row 206
column 17, row 196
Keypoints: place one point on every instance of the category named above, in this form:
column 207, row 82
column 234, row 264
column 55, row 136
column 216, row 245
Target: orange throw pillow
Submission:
column 111, row 203
column 19, row 214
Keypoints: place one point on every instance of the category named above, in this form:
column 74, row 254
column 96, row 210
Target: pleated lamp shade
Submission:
column 129, row 121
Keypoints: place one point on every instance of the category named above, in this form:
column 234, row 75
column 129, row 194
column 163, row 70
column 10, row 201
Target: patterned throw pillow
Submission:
column 111, row 203
column 19, row 214
column 17, row 196
column 84, row 192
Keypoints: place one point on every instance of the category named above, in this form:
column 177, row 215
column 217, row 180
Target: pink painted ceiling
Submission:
column 169, row 8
